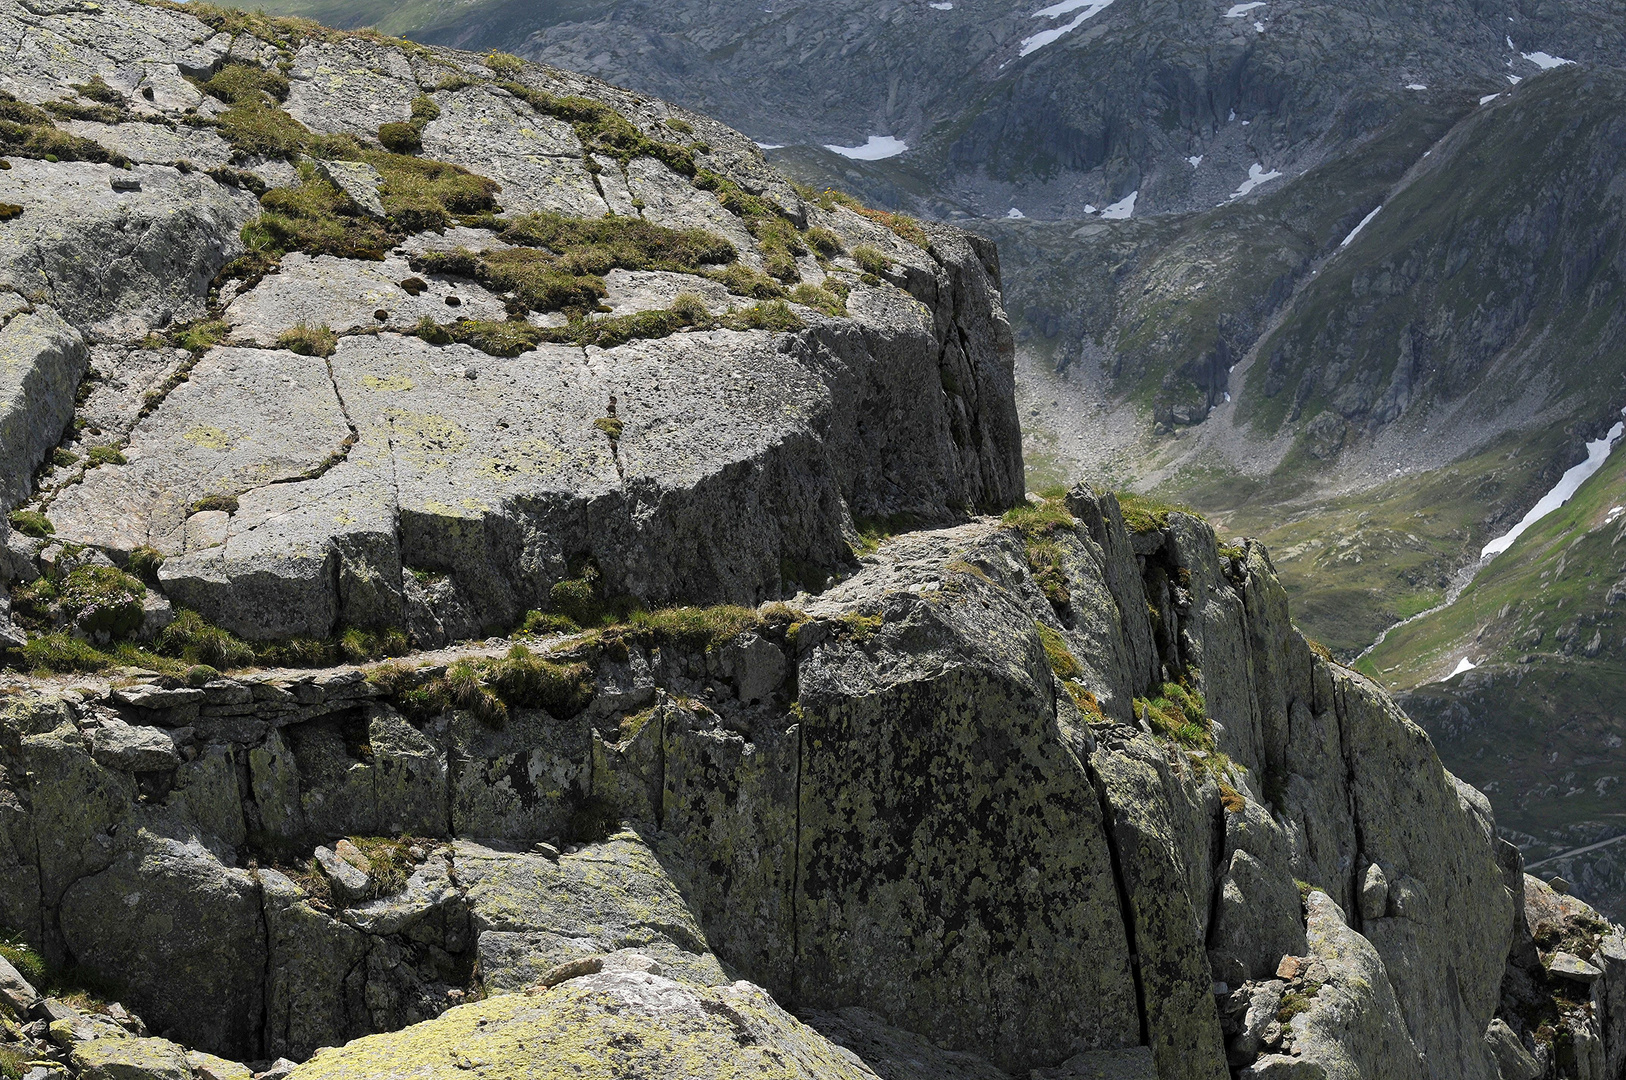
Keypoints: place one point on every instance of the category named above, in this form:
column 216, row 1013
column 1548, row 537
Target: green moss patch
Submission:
column 31, row 523
column 28, row 132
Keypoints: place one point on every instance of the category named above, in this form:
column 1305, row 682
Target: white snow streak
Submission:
column 1545, row 61
column 941, row 7
column 1415, row 86
column 1463, row 665
column 1596, row 454
column 1356, row 231
column 770, row 146
column 1242, row 9
column 1038, row 41
column 1514, row 79
column 1014, row 214
column 1195, row 161
column 1256, row 176
column 877, row 148
column 1123, row 208
column 1488, row 98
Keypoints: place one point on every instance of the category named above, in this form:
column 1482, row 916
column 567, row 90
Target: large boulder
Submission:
column 41, row 361
column 612, row 1024
column 188, row 949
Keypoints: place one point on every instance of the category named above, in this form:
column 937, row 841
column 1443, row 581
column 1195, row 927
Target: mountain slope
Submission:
column 1048, row 108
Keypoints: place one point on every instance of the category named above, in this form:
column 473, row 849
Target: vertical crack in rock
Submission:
column 1126, row 910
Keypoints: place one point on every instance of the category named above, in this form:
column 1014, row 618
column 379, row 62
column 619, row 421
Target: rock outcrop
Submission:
column 293, row 487
column 1114, row 806
column 1048, row 795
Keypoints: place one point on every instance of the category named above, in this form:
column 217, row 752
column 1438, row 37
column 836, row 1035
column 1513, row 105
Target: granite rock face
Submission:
column 742, row 459
column 904, row 811
column 996, row 797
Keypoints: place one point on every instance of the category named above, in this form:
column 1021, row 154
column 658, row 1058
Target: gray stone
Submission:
column 345, row 295
column 349, row 882
column 350, row 85
column 1513, row 1061
column 16, row 991
column 536, row 159
column 631, row 291
column 243, row 419
column 894, row 1053
column 131, row 1059
column 133, row 749
column 531, row 913
column 157, row 696
column 208, row 1067
column 117, row 264
column 41, row 361
column 1374, row 893
column 1134, row 1063
column 359, row 181
column 1569, row 966
column 155, row 144
column 188, row 949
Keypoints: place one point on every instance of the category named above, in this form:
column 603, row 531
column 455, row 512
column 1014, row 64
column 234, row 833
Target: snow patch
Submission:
column 1614, row 514
column 1259, row 26
column 1596, row 454
column 1122, row 209
column 1090, row 208
column 1545, row 61
column 770, row 146
column 1510, row 44
column 1463, row 665
column 1416, row 86
column 1195, row 161
column 1356, row 231
column 1242, row 9
column 1038, row 41
column 1488, row 98
column 941, row 7
column 1256, row 176
column 1014, row 214
column 1514, row 79
column 877, row 148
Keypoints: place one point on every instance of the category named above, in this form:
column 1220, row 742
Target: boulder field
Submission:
column 321, row 346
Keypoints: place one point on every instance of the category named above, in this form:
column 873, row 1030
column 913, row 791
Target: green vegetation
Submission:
column 830, row 298
column 1179, row 715
column 1062, row 660
column 871, row 261
column 97, row 456
column 197, row 641
column 595, row 245
column 64, row 459
column 487, row 688
column 257, row 129
column 1143, row 514
column 601, row 130
column 1039, row 525
column 31, row 523
column 102, row 600
column 246, row 84
column 309, row 340
column 198, row 337
column 407, row 137
column 28, row 132
column 1297, row 1001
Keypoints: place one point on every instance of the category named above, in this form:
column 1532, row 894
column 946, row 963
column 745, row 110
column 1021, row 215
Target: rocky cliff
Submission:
column 324, row 348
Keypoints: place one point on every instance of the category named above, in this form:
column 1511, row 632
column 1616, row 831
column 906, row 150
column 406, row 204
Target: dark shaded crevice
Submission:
column 1126, row 910
column 265, row 981
column 796, row 865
